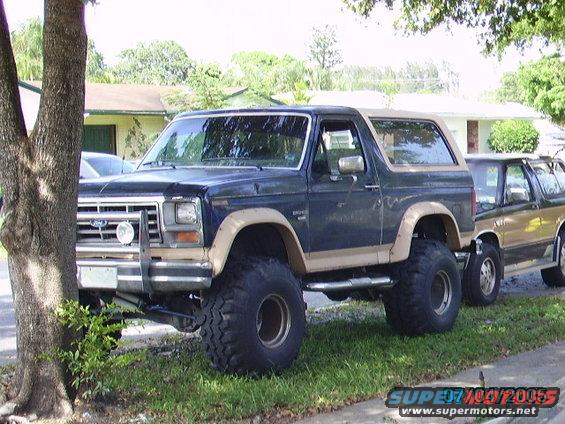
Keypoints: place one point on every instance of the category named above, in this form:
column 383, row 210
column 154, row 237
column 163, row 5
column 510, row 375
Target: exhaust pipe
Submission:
column 351, row 284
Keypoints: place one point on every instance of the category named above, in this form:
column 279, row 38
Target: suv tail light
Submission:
column 473, row 202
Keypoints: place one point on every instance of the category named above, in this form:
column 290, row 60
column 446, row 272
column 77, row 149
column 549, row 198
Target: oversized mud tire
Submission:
column 481, row 281
column 253, row 318
column 555, row 277
column 427, row 295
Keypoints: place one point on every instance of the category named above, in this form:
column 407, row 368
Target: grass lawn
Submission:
column 342, row 361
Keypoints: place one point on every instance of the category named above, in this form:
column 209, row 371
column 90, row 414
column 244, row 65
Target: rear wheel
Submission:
column 253, row 318
column 481, row 282
column 555, row 277
column 427, row 296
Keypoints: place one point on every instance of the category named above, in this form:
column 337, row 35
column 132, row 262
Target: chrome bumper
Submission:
column 141, row 274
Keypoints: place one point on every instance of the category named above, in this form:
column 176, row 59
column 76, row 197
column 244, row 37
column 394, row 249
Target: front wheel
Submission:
column 481, row 282
column 427, row 295
column 555, row 277
column 253, row 318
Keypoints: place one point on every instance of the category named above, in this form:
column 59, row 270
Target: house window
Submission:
column 412, row 142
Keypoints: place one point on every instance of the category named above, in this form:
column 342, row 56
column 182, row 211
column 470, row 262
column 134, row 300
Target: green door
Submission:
column 99, row 138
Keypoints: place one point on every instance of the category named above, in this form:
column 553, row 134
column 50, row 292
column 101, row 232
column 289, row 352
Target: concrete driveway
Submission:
column 8, row 323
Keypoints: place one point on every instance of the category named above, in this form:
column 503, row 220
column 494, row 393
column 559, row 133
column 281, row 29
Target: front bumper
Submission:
column 129, row 276
column 99, row 269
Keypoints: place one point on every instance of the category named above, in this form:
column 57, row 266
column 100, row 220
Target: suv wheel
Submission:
column 427, row 296
column 555, row 277
column 481, row 281
column 253, row 318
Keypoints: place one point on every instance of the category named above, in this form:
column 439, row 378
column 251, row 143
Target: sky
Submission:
column 212, row 30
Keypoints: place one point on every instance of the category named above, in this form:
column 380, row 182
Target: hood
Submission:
column 173, row 182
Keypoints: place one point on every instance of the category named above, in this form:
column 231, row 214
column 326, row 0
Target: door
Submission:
column 99, row 138
column 345, row 210
column 521, row 220
column 472, row 136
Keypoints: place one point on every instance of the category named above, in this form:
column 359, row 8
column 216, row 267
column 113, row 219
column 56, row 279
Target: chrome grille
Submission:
column 87, row 233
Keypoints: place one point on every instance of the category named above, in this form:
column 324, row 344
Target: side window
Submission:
column 559, row 174
column 517, row 188
column 547, row 177
column 412, row 142
column 338, row 139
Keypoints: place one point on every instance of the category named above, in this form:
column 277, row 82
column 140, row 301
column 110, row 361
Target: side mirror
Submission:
column 518, row 195
column 351, row 165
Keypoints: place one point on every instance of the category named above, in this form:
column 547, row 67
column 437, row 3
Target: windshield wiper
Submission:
column 160, row 163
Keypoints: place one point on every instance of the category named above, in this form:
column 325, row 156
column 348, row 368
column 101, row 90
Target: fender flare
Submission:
column 236, row 221
column 400, row 249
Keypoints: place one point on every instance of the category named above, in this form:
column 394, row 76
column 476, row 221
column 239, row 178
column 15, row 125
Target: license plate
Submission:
column 98, row 277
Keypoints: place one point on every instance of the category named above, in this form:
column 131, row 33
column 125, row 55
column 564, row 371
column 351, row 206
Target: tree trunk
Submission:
column 39, row 174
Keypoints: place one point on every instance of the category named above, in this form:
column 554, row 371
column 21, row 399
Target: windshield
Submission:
column 235, row 140
column 109, row 165
column 487, row 180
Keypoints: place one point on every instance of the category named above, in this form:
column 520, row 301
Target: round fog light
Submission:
column 125, row 232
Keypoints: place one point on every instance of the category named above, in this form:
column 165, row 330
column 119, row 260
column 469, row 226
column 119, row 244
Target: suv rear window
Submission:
column 487, row 179
column 412, row 142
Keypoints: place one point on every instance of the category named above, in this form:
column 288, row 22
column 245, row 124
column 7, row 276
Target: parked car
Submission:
column 95, row 165
column 520, row 221
column 232, row 214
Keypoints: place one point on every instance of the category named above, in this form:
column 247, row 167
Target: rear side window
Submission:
column 547, row 178
column 412, row 142
column 518, row 189
column 487, row 179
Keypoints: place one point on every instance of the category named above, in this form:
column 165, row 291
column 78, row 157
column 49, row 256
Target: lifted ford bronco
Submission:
column 233, row 213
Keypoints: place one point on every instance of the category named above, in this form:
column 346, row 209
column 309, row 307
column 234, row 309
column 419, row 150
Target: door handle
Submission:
column 372, row 186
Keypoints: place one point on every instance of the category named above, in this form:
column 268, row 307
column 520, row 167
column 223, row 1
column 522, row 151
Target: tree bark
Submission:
column 39, row 174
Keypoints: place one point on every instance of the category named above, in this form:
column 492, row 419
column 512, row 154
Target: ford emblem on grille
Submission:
column 98, row 223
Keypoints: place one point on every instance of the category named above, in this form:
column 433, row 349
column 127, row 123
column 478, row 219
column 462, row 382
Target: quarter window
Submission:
column 412, row 142
column 338, row 139
column 517, row 187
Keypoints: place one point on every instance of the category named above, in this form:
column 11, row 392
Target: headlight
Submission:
column 186, row 213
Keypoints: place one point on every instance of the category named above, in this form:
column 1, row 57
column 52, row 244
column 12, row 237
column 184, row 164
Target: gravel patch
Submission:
column 523, row 283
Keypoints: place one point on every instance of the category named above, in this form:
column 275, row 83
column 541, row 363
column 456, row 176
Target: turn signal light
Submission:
column 192, row 237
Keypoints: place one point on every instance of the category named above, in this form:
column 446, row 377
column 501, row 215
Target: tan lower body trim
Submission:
column 330, row 260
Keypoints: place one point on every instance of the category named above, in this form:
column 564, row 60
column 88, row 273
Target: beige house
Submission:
column 111, row 111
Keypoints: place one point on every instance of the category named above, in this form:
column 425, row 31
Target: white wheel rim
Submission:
column 441, row 293
column 488, row 276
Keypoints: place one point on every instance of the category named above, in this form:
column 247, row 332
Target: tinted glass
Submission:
column 109, row 165
column 547, row 178
column 338, row 139
column 235, row 140
column 517, row 187
column 412, row 142
column 559, row 174
column 487, row 180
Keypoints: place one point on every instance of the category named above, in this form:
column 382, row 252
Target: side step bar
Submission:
column 351, row 284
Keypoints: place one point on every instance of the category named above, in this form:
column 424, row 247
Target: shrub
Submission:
column 89, row 360
column 513, row 136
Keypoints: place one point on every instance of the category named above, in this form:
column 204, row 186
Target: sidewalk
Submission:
column 541, row 367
